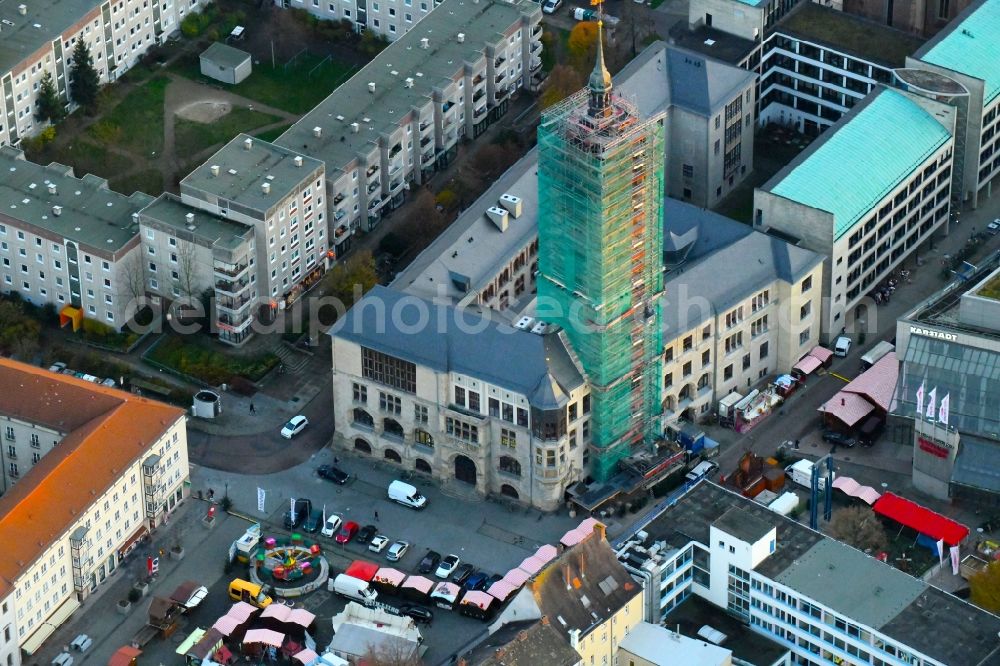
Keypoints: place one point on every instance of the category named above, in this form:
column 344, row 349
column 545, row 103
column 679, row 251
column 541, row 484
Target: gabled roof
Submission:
column 224, row 54
column 878, row 382
column 970, row 45
column 889, row 131
column 461, row 340
column 701, row 84
column 107, row 430
column 531, row 643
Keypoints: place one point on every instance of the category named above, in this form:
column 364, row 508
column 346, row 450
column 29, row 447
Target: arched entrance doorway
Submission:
column 392, row 456
column 508, row 490
column 465, row 470
column 423, row 466
column 362, row 446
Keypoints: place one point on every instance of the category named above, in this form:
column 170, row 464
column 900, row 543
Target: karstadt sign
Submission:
column 931, row 333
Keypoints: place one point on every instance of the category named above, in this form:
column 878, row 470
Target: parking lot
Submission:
column 490, row 536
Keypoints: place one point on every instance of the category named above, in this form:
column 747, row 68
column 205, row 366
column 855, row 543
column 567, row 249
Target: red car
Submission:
column 347, row 532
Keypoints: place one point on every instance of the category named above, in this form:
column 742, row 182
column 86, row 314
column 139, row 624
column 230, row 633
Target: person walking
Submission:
column 253, row 410
column 376, row 516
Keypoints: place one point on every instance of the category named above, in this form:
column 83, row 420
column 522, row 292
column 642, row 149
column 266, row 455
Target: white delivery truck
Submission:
column 352, row 588
column 801, row 473
column 875, row 354
column 407, row 495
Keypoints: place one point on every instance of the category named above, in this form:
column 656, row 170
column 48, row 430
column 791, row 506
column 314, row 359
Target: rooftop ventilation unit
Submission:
column 189, row 218
column 540, row 328
column 22, row 10
column 247, row 143
column 265, row 188
column 513, row 204
column 57, row 210
column 460, row 37
column 394, row 73
column 498, row 216
column 297, row 160
column 409, row 82
column 524, row 323
column 215, row 169
column 340, row 118
column 317, row 131
column 52, row 188
column 355, row 127
column 425, row 43
column 371, row 87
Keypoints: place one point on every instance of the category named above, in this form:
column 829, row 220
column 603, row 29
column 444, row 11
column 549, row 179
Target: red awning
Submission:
column 807, row 364
column 132, row 541
column 921, row 519
column 362, row 570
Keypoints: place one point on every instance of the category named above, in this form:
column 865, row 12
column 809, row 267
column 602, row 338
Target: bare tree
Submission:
column 132, row 283
column 187, row 271
column 859, row 527
column 392, row 654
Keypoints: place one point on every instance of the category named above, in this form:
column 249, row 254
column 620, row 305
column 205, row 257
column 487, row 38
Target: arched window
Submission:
column 392, row 428
column 510, row 465
column 423, row 437
column 392, row 456
column 703, row 381
column 423, row 466
column 363, row 418
column 362, row 446
column 508, row 490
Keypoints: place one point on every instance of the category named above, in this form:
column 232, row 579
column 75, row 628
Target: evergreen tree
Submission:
column 50, row 106
column 84, row 80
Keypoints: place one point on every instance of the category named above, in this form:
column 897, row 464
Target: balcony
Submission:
column 479, row 95
column 373, row 169
column 396, row 186
column 478, row 113
column 233, row 303
column 337, row 199
column 427, row 158
column 499, row 60
column 374, row 186
column 375, row 205
column 229, row 270
column 340, row 231
column 537, row 30
column 395, row 150
column 536, row 64
column 535, row 47
column 235, row 323
column 477, row 79
column 339, row 215
column 231, row 286
column 447, row 106
column 424, row 141
column 424, row 125
column 500, row 77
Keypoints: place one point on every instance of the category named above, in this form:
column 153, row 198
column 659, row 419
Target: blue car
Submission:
column 476, row 581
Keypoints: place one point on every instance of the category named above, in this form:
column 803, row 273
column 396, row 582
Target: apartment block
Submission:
column 277, row 192
column 68, row 241
column 738, row 306
column 819, row 62
column 39, row 36
column 814, row 599
column 456, row 395
column 865, row 221
column 103, row 489
column 400, row 118
column 919, row 17
column 959, row 66
column 389, row 18
column 188, row 253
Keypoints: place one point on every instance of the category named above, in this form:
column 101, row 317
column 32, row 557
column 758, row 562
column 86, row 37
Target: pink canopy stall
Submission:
column 226, row 625
column 578, row 534
column 390, row 576
column 531, row 565
column 501, row 590
column 546, row 553
column 287, row 615
column 516, row 577
column 264, row 637
column 241, row 611
column 307, row 656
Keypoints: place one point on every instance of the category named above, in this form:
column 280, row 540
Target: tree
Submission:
column 492, row 159
column 582, row 45
column 351, row 279
column 563, row 81
column 187, row 271
column 393, row 654
column 984, row 587
column 131, row 280
column 859, row 527
column 423, row 221
column 84, row 82
column 50, row 106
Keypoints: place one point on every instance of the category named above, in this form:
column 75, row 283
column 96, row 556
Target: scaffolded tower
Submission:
column 600, row 182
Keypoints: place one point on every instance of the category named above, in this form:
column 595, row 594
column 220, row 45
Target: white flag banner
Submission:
column 954, row 560
column 260, row 499
column 291, row 510
column 931, row 399
column 940, row 547
column 943, row 408
column 920, row 400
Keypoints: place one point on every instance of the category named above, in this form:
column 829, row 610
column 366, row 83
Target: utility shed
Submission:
column 226, row 64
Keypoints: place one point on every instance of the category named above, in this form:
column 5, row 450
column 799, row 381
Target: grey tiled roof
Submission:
column 530, row 643
column 462, row 341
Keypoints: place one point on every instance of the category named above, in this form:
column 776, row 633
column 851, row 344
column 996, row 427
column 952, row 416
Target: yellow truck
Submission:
column 252, row 593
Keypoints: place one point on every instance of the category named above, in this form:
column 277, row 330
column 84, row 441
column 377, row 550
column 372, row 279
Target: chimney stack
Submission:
column 265, row 188
column 57, row 210
column 298, row 160
column 317, row 132
column 215, row 169
column 425, row 43
column 22, row 10
column 52, row 188
column 371, row 87
column 189, row 217
column 247, row 143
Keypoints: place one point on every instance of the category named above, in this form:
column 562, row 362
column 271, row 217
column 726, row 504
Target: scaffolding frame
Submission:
column 600, row 180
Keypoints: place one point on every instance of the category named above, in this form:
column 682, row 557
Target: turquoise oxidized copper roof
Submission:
column 864, row 159
column 972, row 47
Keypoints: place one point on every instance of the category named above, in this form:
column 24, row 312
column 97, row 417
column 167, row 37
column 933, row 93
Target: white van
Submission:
column 352, row 588
column 801, row 473
column 875, row 354
column 701, row 471
column 842, row 347
column 407, row 495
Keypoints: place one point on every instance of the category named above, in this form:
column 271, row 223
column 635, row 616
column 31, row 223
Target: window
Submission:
column 805, row 310
column 759, row 326
column 473, row 401
column 706, row 332
column 763, row 350
column 943, row 7
column 804, row 337
column 688, row 343
column 420, row 414
column 423, row 437
column 760, row 300
column 746, row 362
column 460, row 396
column 687, row 369
column 668, row 380
column 807, row 284
column 734, row 317
column 389, row 370
column 734, row 342
column 728, row 372
column 360, row 393
column 586, row 404
column 668, row 354
column 461, row 430
column 687, row 170
column 706, row 358
column 508, row 438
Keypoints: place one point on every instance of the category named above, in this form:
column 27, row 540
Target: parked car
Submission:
column 347, row 532
column 366, row 533
column 297, row 515
column 429, row 563
column 838, row 439
column 335, row 474
column 378, row 543
column 314, row 522
column 295, row 425
column 476, row 581
column 333, row 523
column 397, row 550
column 993, row 228
column 419, row 614
column 57, row 367
column 842, row 346
column 447, row 566
column 493, row 579
column 550, row 6
column 462, row 573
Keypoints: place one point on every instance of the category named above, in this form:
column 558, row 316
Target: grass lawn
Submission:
column 296, row 89
column 149, row 181
column 199, row 357
column 191, row 137
column 85, row 157
column 272, row 134
column 136, row 124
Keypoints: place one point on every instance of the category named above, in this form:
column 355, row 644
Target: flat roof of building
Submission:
column 465, row 341
column 892, row 133
column 225, row 55
column 243, row 171
column 743, row 525
column 970, row 45
column 712, row 42
column 745, row 644
column 844, row 580
column 43, row 22
column 850, row 34
column 105, row 429
column 405, row 76
column 661, row 646
column 89, row 213
column 209, row 229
